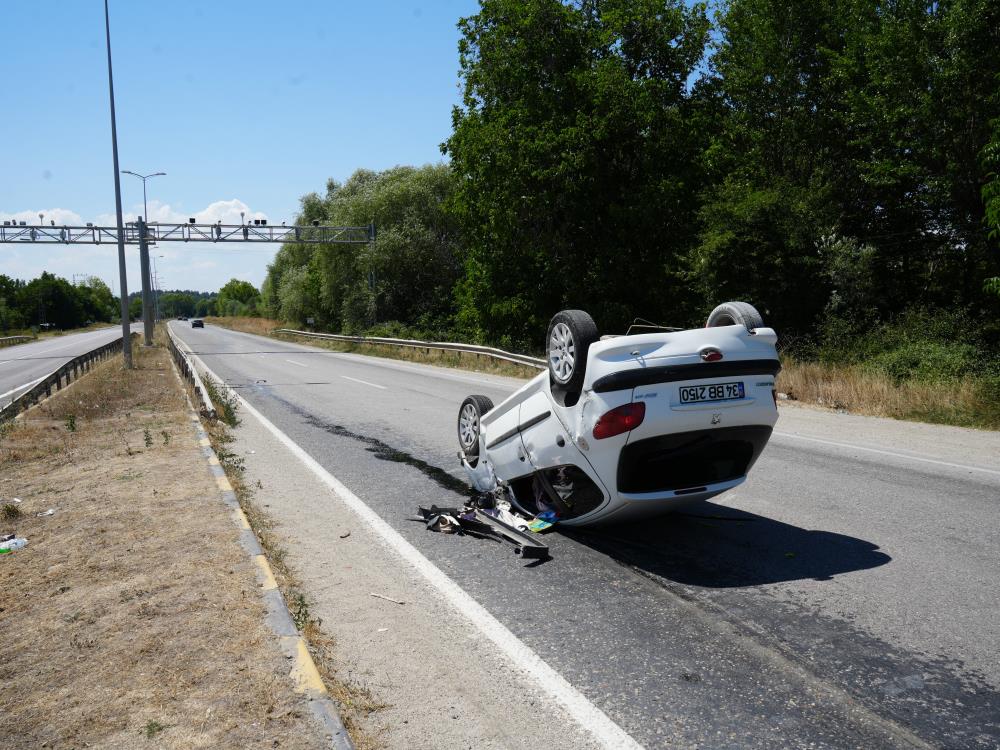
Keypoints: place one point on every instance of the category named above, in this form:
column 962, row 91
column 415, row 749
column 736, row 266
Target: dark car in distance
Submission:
column 197, row 323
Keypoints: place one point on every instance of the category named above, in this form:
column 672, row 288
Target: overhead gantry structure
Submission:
column 142, row 234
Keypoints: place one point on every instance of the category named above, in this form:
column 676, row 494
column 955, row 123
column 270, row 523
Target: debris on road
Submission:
column 344, row 536
column 490, row 516
column 49, row 512
column 394, row 601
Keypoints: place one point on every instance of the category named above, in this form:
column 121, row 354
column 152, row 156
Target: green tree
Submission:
column 237, row 298
column 10, row 314
column 576, row 160
column 98, row 301
column 173, row 304
column 52, row 300
column 407, row 275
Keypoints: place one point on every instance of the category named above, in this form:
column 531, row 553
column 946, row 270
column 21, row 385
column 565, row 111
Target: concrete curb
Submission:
column 305, row 676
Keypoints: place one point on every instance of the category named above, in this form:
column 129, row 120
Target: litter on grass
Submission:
column 12, row 544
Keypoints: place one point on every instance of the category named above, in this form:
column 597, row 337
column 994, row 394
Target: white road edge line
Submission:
column 364, row 382
column 586, row 714
column 849, row 446
column 26, row 385
column 292, row 361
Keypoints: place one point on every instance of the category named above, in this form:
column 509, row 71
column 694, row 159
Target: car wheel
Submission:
column 735, row 314
column 469, row 426
column 571, row 332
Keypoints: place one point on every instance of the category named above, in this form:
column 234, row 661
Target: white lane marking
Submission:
column 907, row 456
column 292, row 361
column 22, row 387
column 364, row 382
column 586, row 714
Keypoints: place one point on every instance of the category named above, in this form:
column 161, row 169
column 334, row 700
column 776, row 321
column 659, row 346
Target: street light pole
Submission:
column 123, row 279
column 147, row 305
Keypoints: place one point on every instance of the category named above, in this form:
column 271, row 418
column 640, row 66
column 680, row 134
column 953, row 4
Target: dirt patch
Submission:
column 133, row 616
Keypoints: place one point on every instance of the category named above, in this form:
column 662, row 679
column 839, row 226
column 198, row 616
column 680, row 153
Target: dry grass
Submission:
column 962, row 402
column 133, row 615
column 259, row 326
column 457, row 360
column 356, row 703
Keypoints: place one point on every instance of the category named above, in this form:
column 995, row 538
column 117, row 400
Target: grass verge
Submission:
column 963, row 402
column 356, row 703
column 133, row 613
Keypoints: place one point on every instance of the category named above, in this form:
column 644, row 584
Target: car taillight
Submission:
column 619, row 420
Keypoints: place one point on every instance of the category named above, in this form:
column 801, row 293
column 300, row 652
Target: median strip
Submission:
column 132, row 611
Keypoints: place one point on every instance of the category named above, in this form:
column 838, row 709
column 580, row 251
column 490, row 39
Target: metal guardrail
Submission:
column 448, row 346
column 189, row 372
column 59, row 379
column 11, row 340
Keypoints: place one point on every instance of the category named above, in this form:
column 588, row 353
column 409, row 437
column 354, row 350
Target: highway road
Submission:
column 23, row 365
column 845, row 596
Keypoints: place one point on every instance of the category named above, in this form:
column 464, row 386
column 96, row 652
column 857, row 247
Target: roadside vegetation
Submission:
column 834, row 163
column 51, row 302
column 132, row 614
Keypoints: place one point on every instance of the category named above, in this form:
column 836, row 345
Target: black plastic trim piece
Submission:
column 533, row 421
column 506, row 436
column 520, row 428
column 629, row 379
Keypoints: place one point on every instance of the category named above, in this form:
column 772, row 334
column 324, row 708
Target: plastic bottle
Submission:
column 13, row 544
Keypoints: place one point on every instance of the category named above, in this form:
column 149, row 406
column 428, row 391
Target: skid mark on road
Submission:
column 386, row 452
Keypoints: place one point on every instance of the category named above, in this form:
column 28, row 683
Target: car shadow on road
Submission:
column 714, row 546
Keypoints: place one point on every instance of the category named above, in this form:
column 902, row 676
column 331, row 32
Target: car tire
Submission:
column 570, row 334
column 469, row 426
column 735, row 313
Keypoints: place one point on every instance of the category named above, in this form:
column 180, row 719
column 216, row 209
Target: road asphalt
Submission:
column 22, row 365
column 844, row 596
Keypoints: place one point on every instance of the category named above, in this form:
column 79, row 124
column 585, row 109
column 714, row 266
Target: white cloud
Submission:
column 227, row 211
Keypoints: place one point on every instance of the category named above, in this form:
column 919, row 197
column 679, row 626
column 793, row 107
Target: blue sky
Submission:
column 245, row 105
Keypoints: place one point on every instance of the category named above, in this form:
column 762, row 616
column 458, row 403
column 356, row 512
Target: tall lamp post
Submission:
column 156, row 286
column 147, row 304
column 123, row 278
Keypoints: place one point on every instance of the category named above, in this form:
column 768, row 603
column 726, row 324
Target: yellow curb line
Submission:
column 306, row 679
column 304, row 673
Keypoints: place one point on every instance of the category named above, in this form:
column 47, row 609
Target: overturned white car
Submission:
column 622, row 427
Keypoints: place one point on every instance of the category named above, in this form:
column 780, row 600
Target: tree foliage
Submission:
column 834, row 162
column 407, row 275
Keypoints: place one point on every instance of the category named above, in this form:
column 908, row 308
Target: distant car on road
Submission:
column 625, row 427
column 197, row 323
column 182, row 317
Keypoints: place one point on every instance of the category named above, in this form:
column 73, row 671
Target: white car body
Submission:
column 681, row 452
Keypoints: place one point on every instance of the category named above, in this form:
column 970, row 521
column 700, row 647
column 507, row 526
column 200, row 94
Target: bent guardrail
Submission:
column 11, row 340
column 190, row 374
column 42, row 388
column 448, row 346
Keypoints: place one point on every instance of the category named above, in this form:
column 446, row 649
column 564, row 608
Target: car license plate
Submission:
column 718, row 392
